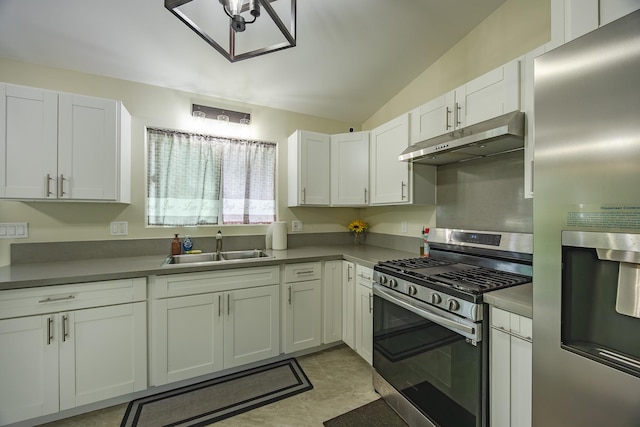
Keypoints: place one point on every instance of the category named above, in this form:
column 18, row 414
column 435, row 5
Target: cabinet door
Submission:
column 188, row 337
column 332, row 302
column 28, row 141
column 349, row 303
column 521, row 366
column 87, row 148
column 302, row 315
column 350, row 169
column 364, row 323
column 309, row 168
column 500, row 382
column 103, row 353
column 28, row 368
column 252, row 325
column 490, row 95
column 431, row 119
column 389, row 176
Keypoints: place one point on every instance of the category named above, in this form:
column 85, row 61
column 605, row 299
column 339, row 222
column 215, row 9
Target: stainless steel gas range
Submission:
column 430, row 352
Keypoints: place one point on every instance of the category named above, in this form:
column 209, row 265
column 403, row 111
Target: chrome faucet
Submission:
column 218, row 242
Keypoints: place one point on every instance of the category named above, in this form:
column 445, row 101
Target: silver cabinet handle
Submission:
column 228, row 304
column 365, row 195
column 62, row 180
column 65, row 327
column 49, row 179
column 458, row 114
column 49, row 330
column 219, row 305
column 370, row 302
column 304, row 194
column 305, row 272
column 349, row 277
column 49, row 299
column 447, row 114
column 289, row 295
column 402, row 185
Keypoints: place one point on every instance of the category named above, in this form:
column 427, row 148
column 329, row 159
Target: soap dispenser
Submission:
column 176, row 246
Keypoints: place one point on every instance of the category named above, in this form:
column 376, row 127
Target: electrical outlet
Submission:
column 296, row 226
column 14, row 230
column 404, row 226
column 119, row 228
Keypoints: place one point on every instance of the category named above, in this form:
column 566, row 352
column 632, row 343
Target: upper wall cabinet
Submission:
column 61, row 146
column 490, row 95
column 350, row 169
column 582, row 16
column 309, row 168
column 394, row 182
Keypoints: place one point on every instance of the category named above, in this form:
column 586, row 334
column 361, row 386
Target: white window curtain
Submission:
column 198, row 179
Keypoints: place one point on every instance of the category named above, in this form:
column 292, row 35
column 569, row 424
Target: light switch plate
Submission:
column 14, row 230
column 296, row 226
column 119, row 228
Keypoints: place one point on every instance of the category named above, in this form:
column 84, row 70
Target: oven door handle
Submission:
column 467, row 329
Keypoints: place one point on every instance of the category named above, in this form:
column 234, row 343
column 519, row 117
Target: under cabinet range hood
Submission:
column 494, row 136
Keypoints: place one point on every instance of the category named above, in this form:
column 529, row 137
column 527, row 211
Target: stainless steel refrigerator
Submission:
column 586, row 227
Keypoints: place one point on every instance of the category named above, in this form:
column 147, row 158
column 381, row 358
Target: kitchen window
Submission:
column 196, row 179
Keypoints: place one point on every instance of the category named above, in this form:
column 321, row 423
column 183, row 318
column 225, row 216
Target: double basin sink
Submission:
column 216, row 257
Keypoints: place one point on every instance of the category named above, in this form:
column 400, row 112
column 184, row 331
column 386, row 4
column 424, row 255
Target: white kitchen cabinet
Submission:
column 309, row 169
column 349, row 303
column 61, row 146
column 65, row 351
column 490, row 95
column 350, row 169
column 205, row 322
column 583, row 16
column 332, row 302
column 511, row 367
column 394, row 182
column 302, row 300
column 364, row 313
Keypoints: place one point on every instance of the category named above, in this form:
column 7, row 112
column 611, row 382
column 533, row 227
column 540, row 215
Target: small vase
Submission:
column 356, row 239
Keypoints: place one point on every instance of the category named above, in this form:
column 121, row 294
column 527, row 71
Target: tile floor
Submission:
column 341, row 382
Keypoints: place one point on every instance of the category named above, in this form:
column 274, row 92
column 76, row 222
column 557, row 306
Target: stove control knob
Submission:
column 436, row 299
column 382, row 279
column 393, row 283
column 453, row 304
column 412, row 290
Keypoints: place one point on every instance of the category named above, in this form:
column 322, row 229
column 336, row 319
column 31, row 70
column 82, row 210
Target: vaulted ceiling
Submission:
column 351, row 56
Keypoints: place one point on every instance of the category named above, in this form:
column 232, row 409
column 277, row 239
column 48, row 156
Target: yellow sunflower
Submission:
column 358, row 226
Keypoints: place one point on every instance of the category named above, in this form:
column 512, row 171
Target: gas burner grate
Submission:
column 481, row 279
column 415, row 263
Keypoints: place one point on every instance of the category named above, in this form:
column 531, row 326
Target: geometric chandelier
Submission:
column 237, row 28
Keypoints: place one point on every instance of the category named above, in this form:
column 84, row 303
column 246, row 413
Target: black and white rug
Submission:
column 210, row 401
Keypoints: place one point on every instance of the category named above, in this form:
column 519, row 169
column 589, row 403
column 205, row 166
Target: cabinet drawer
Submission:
column 302, row 272
column 49, row 299
column 214, row 281
column 364, row 276
column 512, row 323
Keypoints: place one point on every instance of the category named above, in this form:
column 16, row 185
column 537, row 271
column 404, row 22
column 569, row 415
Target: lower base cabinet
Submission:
column 511, row 364
column 364, row 314
column 301, row 306
column 71, row 356
column 201, row 334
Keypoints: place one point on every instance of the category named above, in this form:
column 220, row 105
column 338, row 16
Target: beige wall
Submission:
column 155, row 106
column 514, row 29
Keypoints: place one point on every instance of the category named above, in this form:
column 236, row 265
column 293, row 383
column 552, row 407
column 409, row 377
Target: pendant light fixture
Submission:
column 226, row 24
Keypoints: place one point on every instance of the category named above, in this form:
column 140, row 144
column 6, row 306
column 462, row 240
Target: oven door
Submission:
column 434, row 359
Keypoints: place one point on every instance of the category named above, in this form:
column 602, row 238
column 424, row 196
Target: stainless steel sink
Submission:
column 216, row 257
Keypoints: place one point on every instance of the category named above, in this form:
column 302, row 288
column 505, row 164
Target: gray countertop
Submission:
column 57, row 273
column 517, row 299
